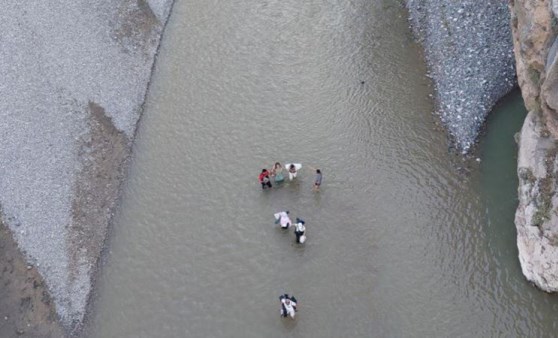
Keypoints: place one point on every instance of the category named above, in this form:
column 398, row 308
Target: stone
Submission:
column 535, row 47
column 467, row 86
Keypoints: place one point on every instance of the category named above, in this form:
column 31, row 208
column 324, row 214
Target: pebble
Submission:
column 470, row 60
column 55, row 58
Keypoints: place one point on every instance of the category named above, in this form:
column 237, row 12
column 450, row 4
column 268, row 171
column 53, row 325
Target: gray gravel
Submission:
column 55, row 57
column 469, row 50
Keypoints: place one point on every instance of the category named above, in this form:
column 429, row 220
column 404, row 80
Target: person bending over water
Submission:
column 282, row 217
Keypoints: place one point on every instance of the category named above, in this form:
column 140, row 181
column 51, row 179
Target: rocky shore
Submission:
column 468, row 48
column 535, row 32
column 74, row 78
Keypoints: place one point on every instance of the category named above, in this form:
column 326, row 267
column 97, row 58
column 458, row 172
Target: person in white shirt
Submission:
column 282, row 217
column 292, row 172
column 288, row 306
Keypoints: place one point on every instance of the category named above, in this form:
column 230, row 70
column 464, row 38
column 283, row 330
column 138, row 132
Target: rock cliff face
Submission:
column 468, row 48
column 469, row 52
column 535, row 27
column 74, row 77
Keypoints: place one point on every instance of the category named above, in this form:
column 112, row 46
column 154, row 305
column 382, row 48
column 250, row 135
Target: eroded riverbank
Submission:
column 74, row 77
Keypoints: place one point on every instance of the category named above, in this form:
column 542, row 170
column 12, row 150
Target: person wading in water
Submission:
column 264, row 179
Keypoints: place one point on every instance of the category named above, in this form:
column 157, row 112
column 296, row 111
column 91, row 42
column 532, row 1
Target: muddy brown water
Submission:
column 400, row 242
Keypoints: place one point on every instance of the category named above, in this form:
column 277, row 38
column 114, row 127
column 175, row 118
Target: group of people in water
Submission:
column 288, row 303
column 276, row 173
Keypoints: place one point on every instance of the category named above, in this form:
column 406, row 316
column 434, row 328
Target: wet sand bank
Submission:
column 26, row 308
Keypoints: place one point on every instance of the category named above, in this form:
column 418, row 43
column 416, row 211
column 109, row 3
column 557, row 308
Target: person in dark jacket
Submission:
column 300, row 231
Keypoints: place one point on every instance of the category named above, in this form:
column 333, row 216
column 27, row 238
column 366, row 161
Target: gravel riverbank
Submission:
column 469, row 51
column 74, row 77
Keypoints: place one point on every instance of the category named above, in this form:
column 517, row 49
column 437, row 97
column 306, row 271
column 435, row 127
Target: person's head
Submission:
column 318, row 171
column 277, row 165
column 264, row 170
column 287, row 211
column 292, row 166
column 287, row 301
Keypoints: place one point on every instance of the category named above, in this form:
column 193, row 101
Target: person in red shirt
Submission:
column 264, row 179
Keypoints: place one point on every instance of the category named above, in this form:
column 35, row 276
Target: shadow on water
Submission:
column 498, row 178
column 498, row 188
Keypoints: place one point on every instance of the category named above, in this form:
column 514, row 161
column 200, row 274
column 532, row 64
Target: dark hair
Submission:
column 318, row 171
column 264, row 170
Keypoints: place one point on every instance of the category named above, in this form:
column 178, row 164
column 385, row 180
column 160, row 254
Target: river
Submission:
column 402, row 241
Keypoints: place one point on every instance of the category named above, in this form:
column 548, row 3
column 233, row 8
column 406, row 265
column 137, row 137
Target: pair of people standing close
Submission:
column 266, row 175
column 277, row 172
column 282, row 218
